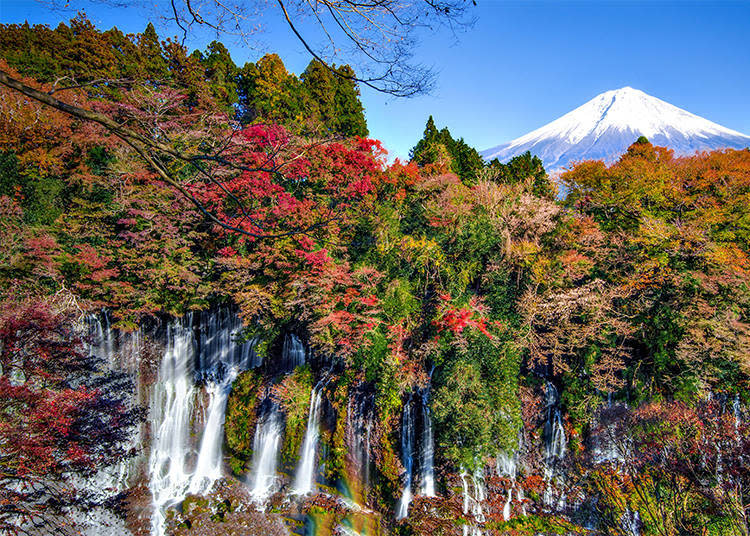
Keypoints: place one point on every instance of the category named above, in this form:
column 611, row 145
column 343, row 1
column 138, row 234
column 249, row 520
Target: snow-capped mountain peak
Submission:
column 607, row 124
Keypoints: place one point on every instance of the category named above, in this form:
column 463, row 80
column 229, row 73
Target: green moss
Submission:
column 294, row 392
column 336, row 466
column 239, row 427
column 535, row 524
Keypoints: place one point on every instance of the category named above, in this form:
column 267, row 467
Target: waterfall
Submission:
column 266, row 447
column 555, row 444
column 407, row 459
column 472, row 499
column 359, row 425
column 208, row 469
column 605, row 446
column 630, row 523
column 304, row 481
column 507, row 466
column 102, row 343
column 292, row 353
column 427, row 453
column 220, row 345
column 203, row 353
column 737, row 412
column 171, row 410
column 101, row 337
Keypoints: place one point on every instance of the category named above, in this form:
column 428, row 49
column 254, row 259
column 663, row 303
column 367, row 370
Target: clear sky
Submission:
column 525, row 63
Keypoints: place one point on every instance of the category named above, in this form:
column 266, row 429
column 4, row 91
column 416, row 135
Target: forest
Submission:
column 225, row 310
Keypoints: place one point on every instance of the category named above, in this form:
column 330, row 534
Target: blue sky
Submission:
column 525, row 63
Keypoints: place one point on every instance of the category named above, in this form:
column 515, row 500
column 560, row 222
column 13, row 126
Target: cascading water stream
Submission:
column 359, row 426
column 213, row 359
column 630, row 523
column 171, row 410
column 208, row 468
column 507, row 466
column 737, row 412
column 427, row 453
column 293, row 353
column 407, row 459
column 266, row 447
column 220, row 345
column 304, row 481
column 606, row 447
column 473, row 497
column 555, row 445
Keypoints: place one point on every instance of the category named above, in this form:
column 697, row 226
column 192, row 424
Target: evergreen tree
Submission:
column 268, row 92
column 150, row 55
column 520, row 168
column 221, row 73
column 349, row 112
column 464, row 160
column 320, row 87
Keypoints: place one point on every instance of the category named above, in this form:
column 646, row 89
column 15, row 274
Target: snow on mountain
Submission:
column 604, row 127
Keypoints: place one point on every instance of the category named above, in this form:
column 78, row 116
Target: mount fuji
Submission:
column 604, row 127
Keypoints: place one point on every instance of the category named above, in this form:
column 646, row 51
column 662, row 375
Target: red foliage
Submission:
column 53, row 423
column 456, row 319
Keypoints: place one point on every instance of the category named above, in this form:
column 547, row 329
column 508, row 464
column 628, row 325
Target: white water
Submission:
column 606, row 446
column 221, row 346
column 507, row 466
column 103, row 344
column 555, row 446
column 630, row 523
column 304, row 481
column 473, row 497
column 208, row 469
column 407, row 459
column 737, row 412
column 178, row 466
column 292, row 353
column 359, row 415
column 171, row 410
column 266, row 447
column 427, row 454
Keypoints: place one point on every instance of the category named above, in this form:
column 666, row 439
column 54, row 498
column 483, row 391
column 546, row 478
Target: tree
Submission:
column 268, row 93
column 380, row 33
column 350, row 114
column 682, row 467
column 151, row 56
column 378, row 36
column 436, row 145
column 333, row 99
column 63, row 419
column 524, row 167
column 221, row 74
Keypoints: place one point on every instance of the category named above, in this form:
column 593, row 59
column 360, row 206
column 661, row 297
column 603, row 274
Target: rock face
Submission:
column 604, row 127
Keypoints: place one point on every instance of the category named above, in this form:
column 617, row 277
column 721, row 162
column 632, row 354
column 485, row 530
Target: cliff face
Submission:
column 289, row 442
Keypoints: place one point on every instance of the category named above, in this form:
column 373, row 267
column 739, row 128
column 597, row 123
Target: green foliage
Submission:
column 380, row 368
column 40, row 194
column 399, row 302
column 521, row 168
column 636, row 284
column 321, row 101
column 475, row 406
column 294, row 395
column 463, row 414
column 440, row 148
column 240, row 420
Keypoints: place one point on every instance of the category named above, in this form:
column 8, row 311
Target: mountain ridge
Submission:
column 603, row 127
